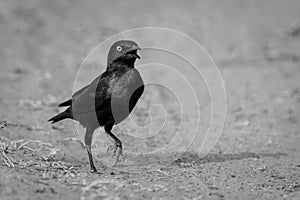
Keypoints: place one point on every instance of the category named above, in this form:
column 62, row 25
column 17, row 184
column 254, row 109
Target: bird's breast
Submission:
column 124, row 85
column 127, row 89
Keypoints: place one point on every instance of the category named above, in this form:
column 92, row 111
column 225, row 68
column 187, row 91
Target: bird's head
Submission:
column 123, row 50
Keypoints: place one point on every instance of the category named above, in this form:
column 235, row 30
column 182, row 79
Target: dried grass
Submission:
column 45, row 164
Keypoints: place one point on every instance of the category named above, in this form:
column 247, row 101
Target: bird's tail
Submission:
column 64, row 115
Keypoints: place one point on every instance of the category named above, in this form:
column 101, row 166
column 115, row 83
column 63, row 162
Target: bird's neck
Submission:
column 121, row 65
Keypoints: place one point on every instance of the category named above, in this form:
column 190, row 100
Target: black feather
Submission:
column 64, row 115
column 66, row 103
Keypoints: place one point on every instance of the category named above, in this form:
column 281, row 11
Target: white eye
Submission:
column 119, row 48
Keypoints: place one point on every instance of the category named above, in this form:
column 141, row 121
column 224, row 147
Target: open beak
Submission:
column 138, row 56
column 133, row 50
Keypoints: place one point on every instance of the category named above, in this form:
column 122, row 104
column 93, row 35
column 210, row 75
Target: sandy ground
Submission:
column 256, row 46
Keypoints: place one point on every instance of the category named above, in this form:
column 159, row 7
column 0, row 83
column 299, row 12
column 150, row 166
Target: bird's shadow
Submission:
column 189, row 157
column 147, row 162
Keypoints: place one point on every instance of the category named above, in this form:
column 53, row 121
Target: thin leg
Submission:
column 117, row 148
column 88, row 142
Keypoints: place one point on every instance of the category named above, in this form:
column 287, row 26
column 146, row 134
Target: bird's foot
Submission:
column 93, row 169
column 112, row 148
column 117, row 152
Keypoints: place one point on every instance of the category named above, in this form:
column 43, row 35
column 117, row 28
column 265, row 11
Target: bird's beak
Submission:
column 138, row 48
column 135, row 48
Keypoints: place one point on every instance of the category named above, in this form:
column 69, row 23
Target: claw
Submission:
column 109, row 148
column 112, row 148
column 117, row 152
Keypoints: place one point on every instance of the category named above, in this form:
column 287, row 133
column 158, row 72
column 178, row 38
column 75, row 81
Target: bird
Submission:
column 108, row 99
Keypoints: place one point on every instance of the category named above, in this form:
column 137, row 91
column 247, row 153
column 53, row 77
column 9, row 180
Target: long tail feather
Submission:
column 61, row 116
column 66, row 103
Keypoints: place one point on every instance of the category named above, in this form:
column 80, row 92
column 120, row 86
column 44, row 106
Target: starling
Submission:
column 108, row 99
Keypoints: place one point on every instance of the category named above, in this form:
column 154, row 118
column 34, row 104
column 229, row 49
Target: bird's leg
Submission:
column 117, row 148
column 88, row 142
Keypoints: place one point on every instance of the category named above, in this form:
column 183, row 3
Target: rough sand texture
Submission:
column 256, row 45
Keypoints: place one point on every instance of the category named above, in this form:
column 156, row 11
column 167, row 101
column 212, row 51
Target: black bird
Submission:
column 109, row 98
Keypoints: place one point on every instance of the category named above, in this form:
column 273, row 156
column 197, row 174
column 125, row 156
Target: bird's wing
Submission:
column 78, row 92
column 69, row 101
column 91, row 97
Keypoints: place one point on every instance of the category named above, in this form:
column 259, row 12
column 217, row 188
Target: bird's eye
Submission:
column 119, row 48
